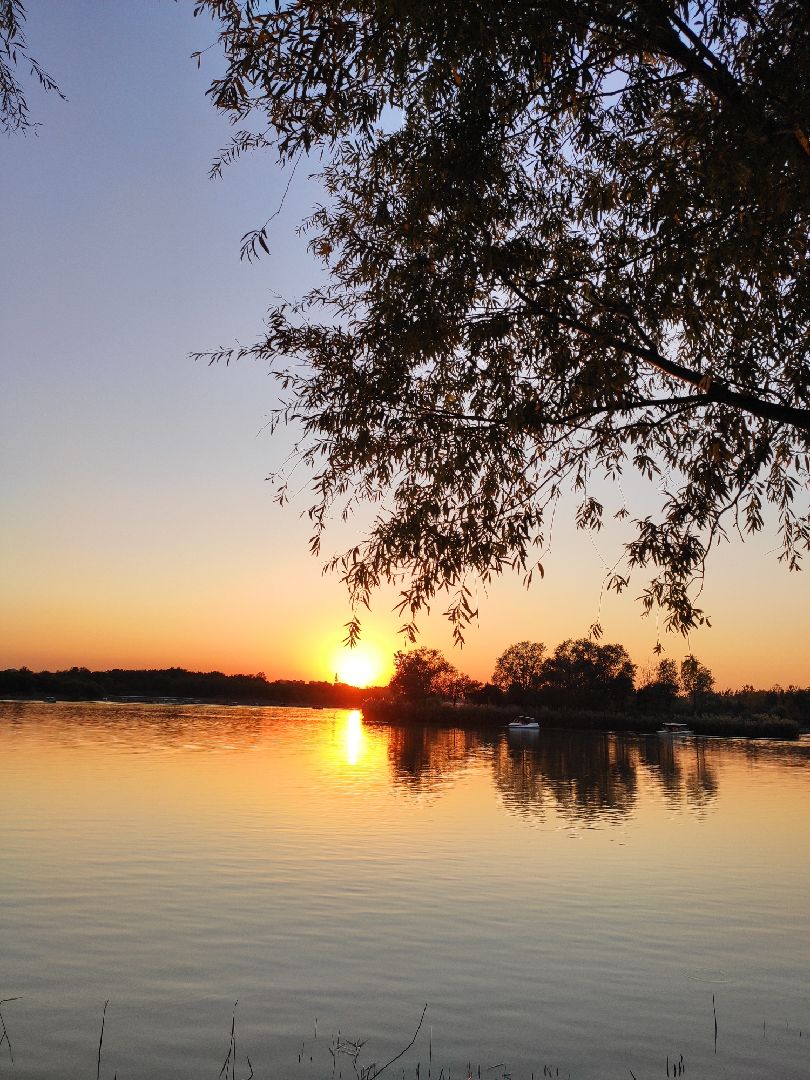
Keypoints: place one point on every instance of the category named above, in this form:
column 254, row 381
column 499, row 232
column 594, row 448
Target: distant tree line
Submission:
column 585, row 674
column 81, row 684
column 579, row 674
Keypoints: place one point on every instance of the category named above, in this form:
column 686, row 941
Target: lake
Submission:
column 578, row 905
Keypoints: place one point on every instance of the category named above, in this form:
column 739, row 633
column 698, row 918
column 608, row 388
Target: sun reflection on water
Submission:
column 355, row 738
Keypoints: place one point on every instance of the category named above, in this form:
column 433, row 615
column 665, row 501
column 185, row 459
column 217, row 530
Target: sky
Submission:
column 137, row 527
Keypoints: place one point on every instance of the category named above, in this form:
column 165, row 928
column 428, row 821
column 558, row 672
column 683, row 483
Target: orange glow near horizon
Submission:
column 56, row 614
column 362, row 666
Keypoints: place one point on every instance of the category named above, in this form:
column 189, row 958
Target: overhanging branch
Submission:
column 713, row 389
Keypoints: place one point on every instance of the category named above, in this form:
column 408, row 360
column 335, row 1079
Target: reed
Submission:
column 4, row 1038
column 340, row 1046
column 228, row 1070
column 101, row 1038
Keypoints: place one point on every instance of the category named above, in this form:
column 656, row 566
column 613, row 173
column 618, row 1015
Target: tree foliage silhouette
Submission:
column 564, row 241
column 697, row 681
column 14, row 54
column 422, row 673
column 659, row 690
column 583, row 672
column 520, row 666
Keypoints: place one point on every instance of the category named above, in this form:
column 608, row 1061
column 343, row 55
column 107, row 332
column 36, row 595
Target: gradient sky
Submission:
column 136, row 526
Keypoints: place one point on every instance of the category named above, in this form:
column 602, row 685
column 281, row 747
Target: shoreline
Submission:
column 475, row 717
column 445, row 714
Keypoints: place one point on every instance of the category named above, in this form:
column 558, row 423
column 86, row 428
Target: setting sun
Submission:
column 359, row 667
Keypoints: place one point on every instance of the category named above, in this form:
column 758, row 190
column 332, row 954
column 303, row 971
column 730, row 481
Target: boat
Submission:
column 524, row 723
column 675, row 728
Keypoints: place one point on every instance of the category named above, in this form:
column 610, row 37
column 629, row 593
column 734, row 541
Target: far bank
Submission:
column 472, row 716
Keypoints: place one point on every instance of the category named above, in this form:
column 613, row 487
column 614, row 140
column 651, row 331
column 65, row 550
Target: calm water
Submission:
column 572, row 903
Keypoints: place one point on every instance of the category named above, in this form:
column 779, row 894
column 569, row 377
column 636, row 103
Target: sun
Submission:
column 362, row 666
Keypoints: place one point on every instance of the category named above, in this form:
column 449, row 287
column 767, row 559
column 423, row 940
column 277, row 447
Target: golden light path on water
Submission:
column 355, row 739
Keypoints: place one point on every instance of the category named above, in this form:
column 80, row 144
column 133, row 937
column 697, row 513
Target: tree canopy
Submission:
column 578, row 674
column 585, row 673
column 659, row 690
column 520, row 666
column 421, row 673
column 564, row 241
column 696, row 679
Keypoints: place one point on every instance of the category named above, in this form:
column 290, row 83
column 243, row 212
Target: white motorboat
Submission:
column 675, row 728
column 524, row 723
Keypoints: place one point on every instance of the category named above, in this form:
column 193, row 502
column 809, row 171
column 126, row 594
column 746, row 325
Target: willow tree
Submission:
column 564, row 241
column 15, row 55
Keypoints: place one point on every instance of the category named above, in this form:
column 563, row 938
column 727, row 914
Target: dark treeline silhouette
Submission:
column 584, row 683
column 81, row 684
column 581, row 683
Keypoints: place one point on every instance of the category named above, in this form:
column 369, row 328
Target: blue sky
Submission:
column 137, row 524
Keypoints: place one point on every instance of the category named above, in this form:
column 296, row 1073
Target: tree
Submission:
column 564, row 241
column 457, row 686
column 14, row 114
column 667, row 674
column 697, row 681
column 660, row 691
column 421, row 673
column 585, row 673
column 520, row 667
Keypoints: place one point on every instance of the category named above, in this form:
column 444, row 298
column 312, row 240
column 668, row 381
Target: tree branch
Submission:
column 714, row 389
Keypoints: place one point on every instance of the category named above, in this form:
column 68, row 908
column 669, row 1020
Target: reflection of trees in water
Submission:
column 701, row 779
column 682, row 769
column 138, row 725
column 662, row 760
column 793, row 754
column 519, row 781
column 426, row 757
column 589, row 776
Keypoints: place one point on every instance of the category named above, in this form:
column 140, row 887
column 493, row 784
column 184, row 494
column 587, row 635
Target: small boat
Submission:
column 524, row 723
column 675, row 728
